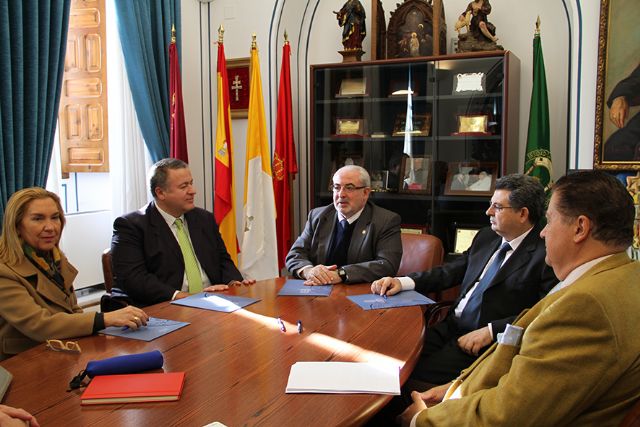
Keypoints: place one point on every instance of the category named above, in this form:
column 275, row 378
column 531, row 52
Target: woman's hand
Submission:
column 130, row 317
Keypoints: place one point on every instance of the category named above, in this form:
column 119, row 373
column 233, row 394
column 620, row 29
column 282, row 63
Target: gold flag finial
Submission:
column 538, row 26
column 254, row 43
column 173, row 33
column 220, row 34
column 286, row 37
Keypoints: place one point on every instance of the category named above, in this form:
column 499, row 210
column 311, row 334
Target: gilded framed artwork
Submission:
column 238, row 75
column 349, row 127
column 420, row 125
column 617, row 146
column 472, row 124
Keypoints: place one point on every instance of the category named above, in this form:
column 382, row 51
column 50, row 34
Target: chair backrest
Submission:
column 107, row 270
column 420, row 252
column 633, row 417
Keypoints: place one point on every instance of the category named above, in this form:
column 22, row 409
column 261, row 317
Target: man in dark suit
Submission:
column 497, row 280
column 352, row 240
column 158, row 249
column 624, row 144
column 572, row 359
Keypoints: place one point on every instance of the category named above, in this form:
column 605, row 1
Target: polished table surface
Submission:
column 237, row 364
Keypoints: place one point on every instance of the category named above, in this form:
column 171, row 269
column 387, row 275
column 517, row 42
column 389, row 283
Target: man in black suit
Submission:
column 148, row 258
column 497, row 280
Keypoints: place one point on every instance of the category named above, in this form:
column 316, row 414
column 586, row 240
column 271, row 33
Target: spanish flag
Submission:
column 259, row 258
column 223, row 202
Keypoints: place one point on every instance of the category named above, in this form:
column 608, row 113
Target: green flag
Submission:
column 537, row 161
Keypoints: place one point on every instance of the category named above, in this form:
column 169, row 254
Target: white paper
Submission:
column 344, row 377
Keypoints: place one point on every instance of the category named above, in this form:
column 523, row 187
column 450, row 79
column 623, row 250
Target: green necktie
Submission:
column 194, row 278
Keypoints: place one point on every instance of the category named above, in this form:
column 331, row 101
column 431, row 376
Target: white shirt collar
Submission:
column 517, row 241
column 353, row 218
column 170, row 219
column 577, row 273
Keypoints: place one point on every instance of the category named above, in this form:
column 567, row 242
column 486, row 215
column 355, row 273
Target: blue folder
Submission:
column 294, row 287
column 155, row 328
column 402, row 299
column 215, row 302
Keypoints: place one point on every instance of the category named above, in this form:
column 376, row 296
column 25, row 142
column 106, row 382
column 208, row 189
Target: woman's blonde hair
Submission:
column 10, row 242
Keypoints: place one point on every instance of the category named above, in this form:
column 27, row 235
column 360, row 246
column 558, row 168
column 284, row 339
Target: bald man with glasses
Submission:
column 502, row 273
column 351, row 241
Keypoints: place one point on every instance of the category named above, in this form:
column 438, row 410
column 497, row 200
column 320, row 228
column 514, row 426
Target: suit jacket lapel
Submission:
column 360, row 233
column 51, row 293
column 163, row 233
column 326, row 224
column 479, row 265
column 519, row 258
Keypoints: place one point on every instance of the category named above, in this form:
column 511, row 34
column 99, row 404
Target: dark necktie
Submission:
column 470, row 316
column 338, row 252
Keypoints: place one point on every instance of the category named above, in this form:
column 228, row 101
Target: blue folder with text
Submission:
column 215, row 302
column 155, row 328
column 294, row 287
column 402, row 299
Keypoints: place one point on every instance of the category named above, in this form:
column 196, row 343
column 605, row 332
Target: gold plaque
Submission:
column 350, row 127
column 352, row 88
column 472, row 124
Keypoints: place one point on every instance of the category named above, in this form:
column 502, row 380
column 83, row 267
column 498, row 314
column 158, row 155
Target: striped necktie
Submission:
column 471, row 314
column 194, row 278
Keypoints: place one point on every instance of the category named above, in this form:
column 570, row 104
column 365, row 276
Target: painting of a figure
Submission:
column 617, row 139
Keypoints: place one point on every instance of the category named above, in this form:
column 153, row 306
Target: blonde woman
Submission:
column 37, row 301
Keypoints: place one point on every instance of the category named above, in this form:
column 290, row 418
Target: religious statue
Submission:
column 352, row 20
column 481, row 34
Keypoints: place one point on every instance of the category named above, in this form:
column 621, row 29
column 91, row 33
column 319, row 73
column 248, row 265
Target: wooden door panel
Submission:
column 83, row 114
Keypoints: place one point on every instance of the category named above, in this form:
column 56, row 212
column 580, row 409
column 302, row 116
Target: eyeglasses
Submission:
column 57, row 345
column 498, row 208
column 349, row 188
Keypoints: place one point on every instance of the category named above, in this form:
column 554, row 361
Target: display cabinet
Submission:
column 434, row 133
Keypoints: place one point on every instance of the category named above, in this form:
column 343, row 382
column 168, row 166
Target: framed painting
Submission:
column 417, row 175
column 617, row 141
column 471, row 178
column 238, row 80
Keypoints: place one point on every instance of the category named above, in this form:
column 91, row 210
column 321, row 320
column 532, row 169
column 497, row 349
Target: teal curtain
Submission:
column 33, row 38
column 145, row 33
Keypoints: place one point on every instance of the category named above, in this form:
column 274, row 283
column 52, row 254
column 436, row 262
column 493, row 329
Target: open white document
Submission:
column 344, row 377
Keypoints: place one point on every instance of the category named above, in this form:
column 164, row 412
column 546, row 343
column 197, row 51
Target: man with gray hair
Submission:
column 352, row 240
column 502, row 273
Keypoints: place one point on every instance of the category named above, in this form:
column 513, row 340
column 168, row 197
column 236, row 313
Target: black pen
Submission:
column 281, row 323
column 299, row 326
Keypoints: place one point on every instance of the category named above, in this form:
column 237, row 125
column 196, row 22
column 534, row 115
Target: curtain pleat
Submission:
column 33, row 37
column 145, row 32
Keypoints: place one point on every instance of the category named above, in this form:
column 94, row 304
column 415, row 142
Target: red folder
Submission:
column 159, row 387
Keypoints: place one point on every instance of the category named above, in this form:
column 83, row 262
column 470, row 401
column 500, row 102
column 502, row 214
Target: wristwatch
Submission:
column 342, row 274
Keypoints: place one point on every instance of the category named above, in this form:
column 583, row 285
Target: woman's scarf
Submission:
column 48, row 262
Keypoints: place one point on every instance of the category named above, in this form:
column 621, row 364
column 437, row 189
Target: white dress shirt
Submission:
column 171, row 222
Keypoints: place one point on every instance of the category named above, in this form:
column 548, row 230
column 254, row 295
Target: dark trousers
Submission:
column 442, row 360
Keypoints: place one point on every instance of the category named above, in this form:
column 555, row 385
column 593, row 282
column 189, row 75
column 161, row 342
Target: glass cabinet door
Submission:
column 430, row 131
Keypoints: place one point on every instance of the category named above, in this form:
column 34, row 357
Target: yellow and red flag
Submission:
column 285, row 166
column 177, row 133
column 259, row 259
column 223, row 202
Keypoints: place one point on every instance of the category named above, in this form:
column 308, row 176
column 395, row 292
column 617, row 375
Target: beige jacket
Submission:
column 578, row 365
column 34, row 309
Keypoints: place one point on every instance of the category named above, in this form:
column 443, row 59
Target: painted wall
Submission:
column 569, row 38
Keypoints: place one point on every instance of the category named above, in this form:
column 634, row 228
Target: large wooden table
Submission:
column 236, row 365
